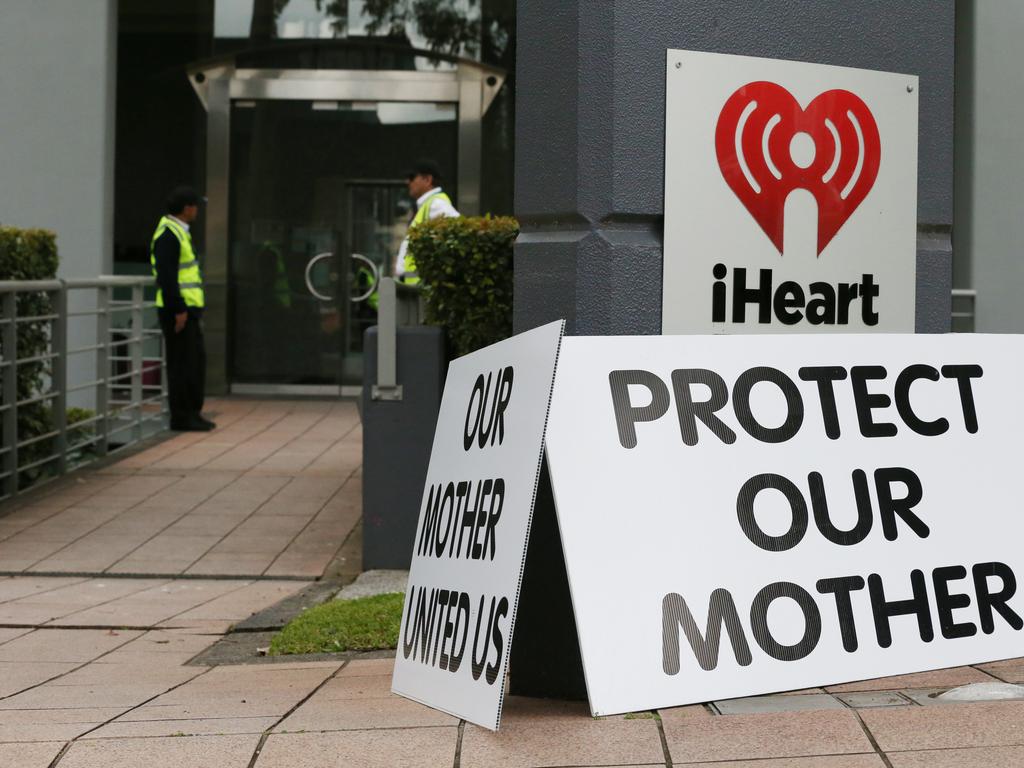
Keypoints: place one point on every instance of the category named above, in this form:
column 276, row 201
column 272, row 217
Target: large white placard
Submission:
column 786, row 512
column 470, row 546
column 790, row 197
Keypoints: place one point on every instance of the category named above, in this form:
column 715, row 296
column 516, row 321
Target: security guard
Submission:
column 424, row 182
column 180, row 300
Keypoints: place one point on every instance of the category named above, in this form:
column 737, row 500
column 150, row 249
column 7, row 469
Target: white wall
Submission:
column 57, row 88
column 989, row 224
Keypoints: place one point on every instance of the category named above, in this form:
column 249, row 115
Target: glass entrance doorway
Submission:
column 318, row 208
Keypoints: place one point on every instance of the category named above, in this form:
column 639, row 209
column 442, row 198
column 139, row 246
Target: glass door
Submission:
column 318, row 210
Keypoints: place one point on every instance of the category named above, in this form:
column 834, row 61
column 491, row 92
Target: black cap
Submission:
column 182, row 196
column 426, row 167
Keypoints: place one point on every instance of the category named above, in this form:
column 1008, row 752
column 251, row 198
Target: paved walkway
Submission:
column 116, row 579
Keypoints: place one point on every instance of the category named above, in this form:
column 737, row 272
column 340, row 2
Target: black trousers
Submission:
column 186, row 366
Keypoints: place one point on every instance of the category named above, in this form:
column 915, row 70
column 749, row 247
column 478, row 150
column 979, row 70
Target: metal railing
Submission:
column 400, row 304
column 126, row 395
column 964, row 304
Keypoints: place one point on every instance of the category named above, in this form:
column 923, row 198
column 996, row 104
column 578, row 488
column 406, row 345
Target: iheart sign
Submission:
column 790, row 197
column 755, row 138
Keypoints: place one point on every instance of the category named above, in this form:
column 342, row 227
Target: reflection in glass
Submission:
column 445, row 26
column 312, row 184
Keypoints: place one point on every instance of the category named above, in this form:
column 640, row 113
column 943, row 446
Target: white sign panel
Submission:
column 470, row 546
column 790, row 197
column 786, row 512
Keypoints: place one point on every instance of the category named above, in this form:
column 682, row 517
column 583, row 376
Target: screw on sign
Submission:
column 767, row 146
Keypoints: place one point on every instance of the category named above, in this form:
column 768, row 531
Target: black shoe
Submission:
column 209, row 424
column 191, row 425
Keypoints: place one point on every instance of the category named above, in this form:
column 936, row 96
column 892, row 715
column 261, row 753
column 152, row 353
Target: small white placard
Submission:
column 786, row 512
column 790, row 197
column 470, row 546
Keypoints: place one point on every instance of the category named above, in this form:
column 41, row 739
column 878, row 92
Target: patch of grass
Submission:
column 364, row 624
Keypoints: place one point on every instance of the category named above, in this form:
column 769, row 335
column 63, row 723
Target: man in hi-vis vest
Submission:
column 424, row 182
column 180, row 300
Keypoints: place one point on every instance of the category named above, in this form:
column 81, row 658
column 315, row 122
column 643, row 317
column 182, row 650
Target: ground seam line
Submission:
column 266, row 733
column 871, row 738
column 664, row 739
column 67, row 746
column 458, row 745
column 257, row 509
column 310, row 522
column 70, row 671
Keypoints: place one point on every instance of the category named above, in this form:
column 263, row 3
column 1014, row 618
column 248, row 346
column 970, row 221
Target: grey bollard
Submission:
column 397, row 437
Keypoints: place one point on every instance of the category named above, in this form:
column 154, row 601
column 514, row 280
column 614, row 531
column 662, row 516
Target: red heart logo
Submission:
column 754, row 141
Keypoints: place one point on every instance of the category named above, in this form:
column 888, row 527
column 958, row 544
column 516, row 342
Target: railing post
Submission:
column 59, row 375
column 136, row 347
column 10, row 393
column 103, row 369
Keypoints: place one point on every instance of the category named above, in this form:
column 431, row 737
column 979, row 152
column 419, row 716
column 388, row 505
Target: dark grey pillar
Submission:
column 397, row 437
column 590, row 134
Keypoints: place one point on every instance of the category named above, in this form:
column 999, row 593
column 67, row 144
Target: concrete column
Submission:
column 590, row 124
column 57, row 137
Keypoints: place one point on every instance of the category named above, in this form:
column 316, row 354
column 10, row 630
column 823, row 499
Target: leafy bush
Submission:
column 30, row 254
column 466, row 267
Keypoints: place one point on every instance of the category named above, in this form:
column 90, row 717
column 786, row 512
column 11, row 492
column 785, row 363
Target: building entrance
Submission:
column 305, row 175
column 318, row 209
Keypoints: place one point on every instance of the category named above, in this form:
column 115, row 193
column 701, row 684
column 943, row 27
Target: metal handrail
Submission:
column 399, row 304
column 123, row 402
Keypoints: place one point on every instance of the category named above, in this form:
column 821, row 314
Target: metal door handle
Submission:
column 309, row 269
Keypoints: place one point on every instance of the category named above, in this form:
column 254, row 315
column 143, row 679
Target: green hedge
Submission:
column 30, row 254
column 465, row 264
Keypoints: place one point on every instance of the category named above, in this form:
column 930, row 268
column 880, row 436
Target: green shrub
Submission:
column 466, row 267
column 30, row 254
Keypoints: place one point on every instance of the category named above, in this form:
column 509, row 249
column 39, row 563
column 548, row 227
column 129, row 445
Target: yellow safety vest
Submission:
column 190, row 280
column 422, row 214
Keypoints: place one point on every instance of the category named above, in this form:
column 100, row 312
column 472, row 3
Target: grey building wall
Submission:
column 590, row 137
column 990, row 162
column 57, row 133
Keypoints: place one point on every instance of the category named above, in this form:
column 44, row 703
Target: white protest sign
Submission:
column 470, row 545
column 786, row 512
column 790, row 197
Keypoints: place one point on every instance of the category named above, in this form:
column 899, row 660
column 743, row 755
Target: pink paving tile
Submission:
column 374, row 667
column 59, row 645
column 23, row 586
column 161, row 601
column 989, row 757
column 242, row 603
column 52, row 724
column 529, row 741
column 37, row 755
column 683, row 714
column 191, row 751
column 17, row 676
column 6, row 635
column 183, row 727
column 322, row 713
column 231, row 565
column 1009, row 671
column 833, row 761
column 948, row 726
column 236, row 691
column 778, row 734
column 409, row 748
column 91, row 592
column 939, row 678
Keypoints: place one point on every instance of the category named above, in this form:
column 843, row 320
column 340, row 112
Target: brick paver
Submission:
column 97, row 629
